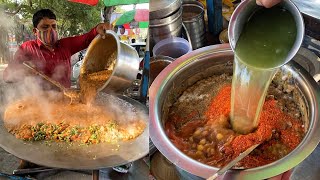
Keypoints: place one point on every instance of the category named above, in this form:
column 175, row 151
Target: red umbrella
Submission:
column 87, row 2
column 110, row 2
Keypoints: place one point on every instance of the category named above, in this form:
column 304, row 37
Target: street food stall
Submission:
column 192, row 97
column 61, row 138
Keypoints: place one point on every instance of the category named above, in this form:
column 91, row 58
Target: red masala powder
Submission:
column 276, row 129
column 271, row 119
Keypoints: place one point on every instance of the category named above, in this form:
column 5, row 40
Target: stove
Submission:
column 9, row 165
column 308, row 56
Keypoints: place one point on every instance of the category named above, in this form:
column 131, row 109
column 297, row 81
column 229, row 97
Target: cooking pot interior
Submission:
column 200, row 64
column 191, row 73
column 74, row 155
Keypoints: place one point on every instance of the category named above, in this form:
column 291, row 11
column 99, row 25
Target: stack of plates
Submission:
column 165, row 20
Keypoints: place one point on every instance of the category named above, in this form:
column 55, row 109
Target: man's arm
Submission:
column 78, row 43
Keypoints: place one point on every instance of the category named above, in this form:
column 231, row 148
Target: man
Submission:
column 122, row 35
column 47, row 53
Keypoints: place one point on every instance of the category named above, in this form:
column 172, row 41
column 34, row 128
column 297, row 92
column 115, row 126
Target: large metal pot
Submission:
column 100, row 53
column 204, row 62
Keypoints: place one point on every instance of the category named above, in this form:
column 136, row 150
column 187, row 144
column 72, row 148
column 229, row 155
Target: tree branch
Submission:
column 14, row 12
column 30, row 3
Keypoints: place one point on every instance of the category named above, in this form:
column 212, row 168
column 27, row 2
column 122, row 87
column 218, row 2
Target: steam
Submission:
column 125, row 114
column 29, row 86
column 6, row 22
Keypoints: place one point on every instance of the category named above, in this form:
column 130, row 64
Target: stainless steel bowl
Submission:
column 204, row 62
column 126, row 61
column 244, row 11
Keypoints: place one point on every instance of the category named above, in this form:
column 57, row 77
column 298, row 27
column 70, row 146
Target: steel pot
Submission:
column 163, row 8
column 204, row 62
column 195, row 22
column 100, row 53
column 170, row 26
column 166, row 25
column 157, row 64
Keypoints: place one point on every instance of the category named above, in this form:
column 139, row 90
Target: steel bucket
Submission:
column 100, row 53
column 194, row 23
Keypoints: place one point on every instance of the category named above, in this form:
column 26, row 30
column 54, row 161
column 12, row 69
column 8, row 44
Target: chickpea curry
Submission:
column 198, row 124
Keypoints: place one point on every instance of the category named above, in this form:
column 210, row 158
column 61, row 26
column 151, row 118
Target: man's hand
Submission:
column 267, row 3
column 102, row 27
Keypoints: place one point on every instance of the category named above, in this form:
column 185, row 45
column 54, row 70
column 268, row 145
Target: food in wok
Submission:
column 198, row 123
column 51, row 117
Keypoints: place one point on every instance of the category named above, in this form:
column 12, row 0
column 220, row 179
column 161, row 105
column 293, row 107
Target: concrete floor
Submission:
column 8, row 162
column 138, row 171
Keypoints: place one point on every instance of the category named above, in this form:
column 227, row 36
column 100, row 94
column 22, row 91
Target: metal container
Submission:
column 74, row 155
column 164, row 28
column 246, row 8
column 193, row 19
column 204, row 62
column 157, row 64
column 100, row 53
column 163, row 8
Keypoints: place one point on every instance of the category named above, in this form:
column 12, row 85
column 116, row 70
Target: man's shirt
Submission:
column 55, row 64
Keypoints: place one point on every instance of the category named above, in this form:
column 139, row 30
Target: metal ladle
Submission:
column 225, row 168
column 72, row 94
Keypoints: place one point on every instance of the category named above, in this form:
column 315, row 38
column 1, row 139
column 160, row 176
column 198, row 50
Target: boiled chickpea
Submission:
column 202, row 142
column 219, row 136
column 200, row 147
column 197, row 132
column 199, row 153
column 212, row 151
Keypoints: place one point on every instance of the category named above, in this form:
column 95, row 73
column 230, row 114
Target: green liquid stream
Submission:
column 262, row 47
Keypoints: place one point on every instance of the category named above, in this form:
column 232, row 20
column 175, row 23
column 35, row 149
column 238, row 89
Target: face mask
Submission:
column 48, row 37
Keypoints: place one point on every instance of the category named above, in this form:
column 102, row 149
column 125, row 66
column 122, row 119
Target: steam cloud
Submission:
column 124, row 112
column 6, row 22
